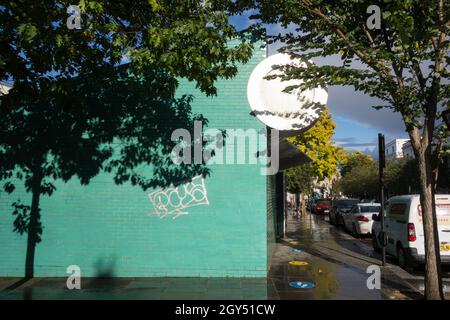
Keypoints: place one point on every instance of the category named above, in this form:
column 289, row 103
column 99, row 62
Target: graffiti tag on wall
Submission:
column 174, row 201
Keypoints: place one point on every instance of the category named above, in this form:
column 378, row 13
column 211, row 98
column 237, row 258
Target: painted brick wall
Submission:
column 275, row 212
column 103, row 227
column 271, row 216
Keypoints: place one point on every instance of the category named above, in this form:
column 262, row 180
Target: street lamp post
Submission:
column 382, row 165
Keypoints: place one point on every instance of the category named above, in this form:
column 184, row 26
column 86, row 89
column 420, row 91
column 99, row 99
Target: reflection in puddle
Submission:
column 325, row 280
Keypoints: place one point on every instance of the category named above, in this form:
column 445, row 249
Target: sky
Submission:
column 357, row 123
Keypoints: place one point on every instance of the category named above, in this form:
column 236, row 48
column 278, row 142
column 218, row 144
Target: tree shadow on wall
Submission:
column 117, row 122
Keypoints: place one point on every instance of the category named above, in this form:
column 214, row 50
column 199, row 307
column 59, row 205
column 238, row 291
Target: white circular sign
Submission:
column 293, row 111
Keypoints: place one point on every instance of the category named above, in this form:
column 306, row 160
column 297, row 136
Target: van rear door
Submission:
column 396, row 226
column 443, row 219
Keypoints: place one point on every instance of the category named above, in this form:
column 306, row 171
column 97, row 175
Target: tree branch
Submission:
column 381, row 70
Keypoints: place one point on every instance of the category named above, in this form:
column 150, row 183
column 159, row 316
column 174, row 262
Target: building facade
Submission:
column 407, row 150
column 120, row 230
column 394, row 149
column 4, row 88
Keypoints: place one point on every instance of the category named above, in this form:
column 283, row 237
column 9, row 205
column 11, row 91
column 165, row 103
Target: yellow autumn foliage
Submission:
column 318, row 145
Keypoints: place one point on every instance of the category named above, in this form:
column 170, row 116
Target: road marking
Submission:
column 298, row 263
column 302, row 285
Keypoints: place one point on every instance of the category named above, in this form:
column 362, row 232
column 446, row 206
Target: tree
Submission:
column 300, row 179
column 185, row 38
column 70, row 102
column 354, row 159
column 361, row 178
column 443, row 180
column 318, row 145
column 405, row 57
column 441, row 146
column 401, row 177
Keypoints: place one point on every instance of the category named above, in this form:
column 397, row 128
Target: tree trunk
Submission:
column 433, row 285
column 33, row 225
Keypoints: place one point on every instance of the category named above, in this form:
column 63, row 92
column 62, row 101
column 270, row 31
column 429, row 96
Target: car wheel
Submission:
column 344, row 225
column 375, row 245
column 331, row 221
column 402, row 257
column 354, row 231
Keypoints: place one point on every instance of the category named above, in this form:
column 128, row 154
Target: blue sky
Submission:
column 357, row 124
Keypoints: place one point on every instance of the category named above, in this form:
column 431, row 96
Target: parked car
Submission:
column 367, row 200
column 359, row 220
column 311, row 203
column 322, row 206
column 404, row 229
column 340, row 206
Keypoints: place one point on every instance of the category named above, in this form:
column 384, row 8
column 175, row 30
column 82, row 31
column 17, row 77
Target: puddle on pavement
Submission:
column 332, row 277
column 298, row 263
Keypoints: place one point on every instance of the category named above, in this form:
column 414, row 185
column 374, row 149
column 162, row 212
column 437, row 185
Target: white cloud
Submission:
column 354, row 143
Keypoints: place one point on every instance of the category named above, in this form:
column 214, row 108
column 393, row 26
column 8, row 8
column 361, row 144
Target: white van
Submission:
column 404, row 229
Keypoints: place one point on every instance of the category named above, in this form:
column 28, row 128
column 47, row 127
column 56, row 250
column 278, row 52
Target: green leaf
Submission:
column 27, row 31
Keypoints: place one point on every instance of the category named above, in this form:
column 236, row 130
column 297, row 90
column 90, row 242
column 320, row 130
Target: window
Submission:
column 397, row 210
column 347, row 203
column 368, row 209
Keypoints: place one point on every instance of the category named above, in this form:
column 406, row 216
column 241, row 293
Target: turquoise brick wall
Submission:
column 271, row 216
column 103, row 227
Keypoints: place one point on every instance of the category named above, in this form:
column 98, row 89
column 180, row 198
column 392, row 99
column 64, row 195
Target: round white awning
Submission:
column 295, row 111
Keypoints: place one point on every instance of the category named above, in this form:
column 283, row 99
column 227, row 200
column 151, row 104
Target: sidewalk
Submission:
column 337, row 265
column 332, row 260
column 138, row 289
